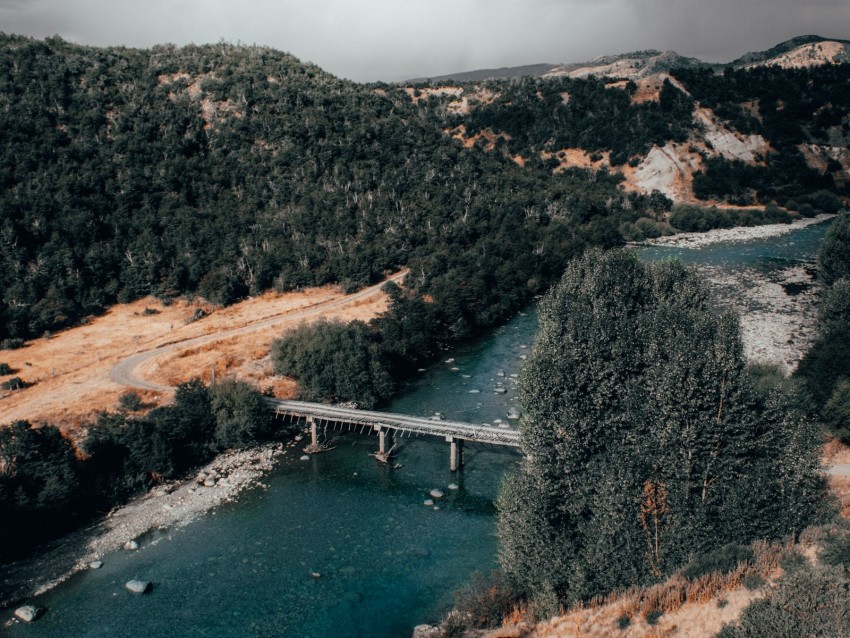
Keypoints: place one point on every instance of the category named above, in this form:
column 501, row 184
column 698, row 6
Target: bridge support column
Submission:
column 314, row 435
column 455, row 453
column 382, row 441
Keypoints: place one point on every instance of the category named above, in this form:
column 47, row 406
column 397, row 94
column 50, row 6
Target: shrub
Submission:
column 653, row 616
column 130, row 401
column 5, row 369
column 483, row 603
column 12, row 343
column 15, row 383
column 723, row 559
column 809, row 602
column 623, row 622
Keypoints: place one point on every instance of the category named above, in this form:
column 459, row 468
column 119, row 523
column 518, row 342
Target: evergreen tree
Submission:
column 834, row 253
column 645, row 441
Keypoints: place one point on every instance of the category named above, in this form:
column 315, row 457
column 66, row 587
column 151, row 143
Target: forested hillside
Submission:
column 227, row 170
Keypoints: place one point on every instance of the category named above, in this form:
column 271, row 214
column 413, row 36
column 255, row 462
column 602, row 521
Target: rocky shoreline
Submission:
column 168, row 506
column 738, row 234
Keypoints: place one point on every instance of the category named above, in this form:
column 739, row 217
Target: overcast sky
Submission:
column 396, row 39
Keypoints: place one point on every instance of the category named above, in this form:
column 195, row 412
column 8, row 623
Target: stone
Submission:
column 139, row 586
column 428, row 503
column 436, row 493
column 210, row 482
column 426, row 631
column 454, row 486
column 29, row 613
column 96, row 564
column 306, row 457
column 315, row 575
column 500, row 390
column 131, row 545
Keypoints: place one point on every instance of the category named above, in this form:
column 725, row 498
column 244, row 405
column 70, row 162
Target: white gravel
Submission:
column 743, row 233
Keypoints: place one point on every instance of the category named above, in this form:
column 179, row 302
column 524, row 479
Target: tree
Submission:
column 335, row 361
column 834, row 253
column 241, row 415
column 644, row 439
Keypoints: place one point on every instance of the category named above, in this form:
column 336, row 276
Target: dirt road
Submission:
column 125, row 372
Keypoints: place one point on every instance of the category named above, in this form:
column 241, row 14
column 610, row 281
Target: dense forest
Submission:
column 226, row 170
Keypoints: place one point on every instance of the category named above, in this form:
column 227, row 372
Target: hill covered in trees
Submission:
column 227, row 170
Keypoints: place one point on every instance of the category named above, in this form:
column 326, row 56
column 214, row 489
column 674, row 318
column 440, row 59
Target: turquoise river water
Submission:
column 387, row 562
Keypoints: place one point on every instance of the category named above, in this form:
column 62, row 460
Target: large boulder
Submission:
column 139, row 586
column 29, row 613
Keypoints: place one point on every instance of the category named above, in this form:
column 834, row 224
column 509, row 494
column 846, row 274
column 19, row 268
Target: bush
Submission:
column 12, row 343
column 5, row 369
column 653, row 616
column 722, row 560
column 15, row 383
column 480, row 605
column 130, row 401
column 809, row 602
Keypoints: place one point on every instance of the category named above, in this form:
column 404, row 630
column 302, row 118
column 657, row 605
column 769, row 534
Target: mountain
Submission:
column 809, row 50
column 802, row 51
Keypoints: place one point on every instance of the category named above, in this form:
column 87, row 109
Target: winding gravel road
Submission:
column 124, row 372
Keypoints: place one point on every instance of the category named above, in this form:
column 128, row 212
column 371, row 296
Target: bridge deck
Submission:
column 387, row 420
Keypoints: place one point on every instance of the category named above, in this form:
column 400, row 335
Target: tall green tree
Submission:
column 834, row 253
column 645, row 442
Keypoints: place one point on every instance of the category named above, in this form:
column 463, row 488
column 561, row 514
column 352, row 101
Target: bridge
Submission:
column 386, row 423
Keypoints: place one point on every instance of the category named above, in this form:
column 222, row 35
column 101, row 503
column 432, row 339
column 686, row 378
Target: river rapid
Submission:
column 341, row 546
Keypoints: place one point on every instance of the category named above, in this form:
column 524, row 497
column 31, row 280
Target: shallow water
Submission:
column 797, row 247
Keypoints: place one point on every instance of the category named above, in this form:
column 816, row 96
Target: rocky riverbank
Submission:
column 167, row 506
column 778, row 311
column 739, row 234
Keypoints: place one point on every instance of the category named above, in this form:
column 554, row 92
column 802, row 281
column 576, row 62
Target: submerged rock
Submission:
column 428, row 503
column 96, row 564
column 139, row 586
column 453, row 486
column 436, row 493
column 29, row 613
column 426, row 631
column 131, row 545
column 306, row 457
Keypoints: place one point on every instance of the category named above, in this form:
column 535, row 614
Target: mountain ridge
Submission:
column 645, row 62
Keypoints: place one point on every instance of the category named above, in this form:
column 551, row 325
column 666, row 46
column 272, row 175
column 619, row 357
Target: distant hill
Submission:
column 807, row 50
column 502, row 73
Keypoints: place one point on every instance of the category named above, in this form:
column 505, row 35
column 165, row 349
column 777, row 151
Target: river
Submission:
column 385, row 561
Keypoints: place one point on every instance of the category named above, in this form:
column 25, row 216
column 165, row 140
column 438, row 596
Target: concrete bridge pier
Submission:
column 314, row 435
column 455, row 453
